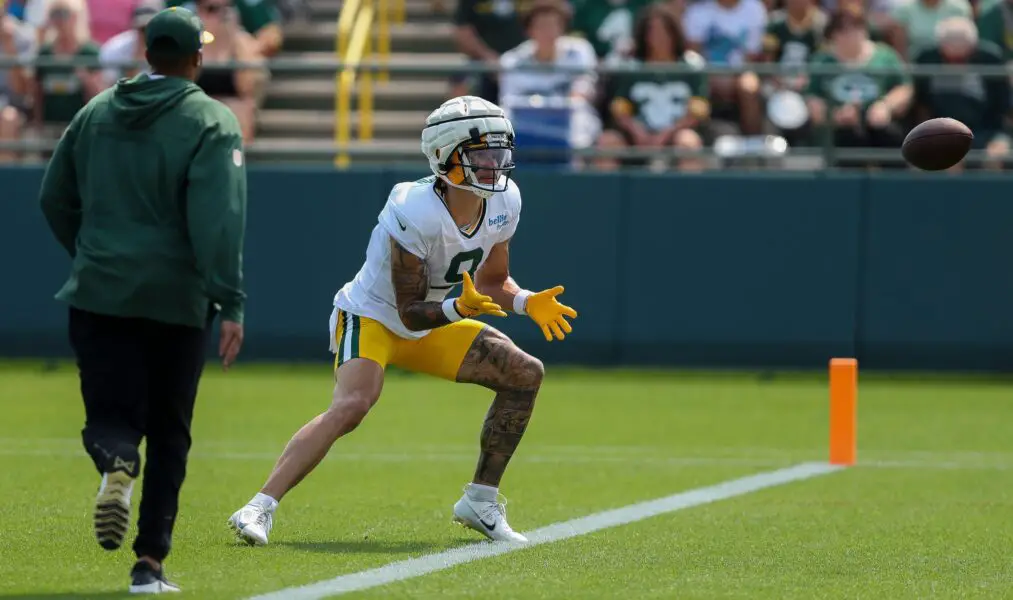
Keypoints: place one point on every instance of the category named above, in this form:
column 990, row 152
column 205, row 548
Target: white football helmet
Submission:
column 469, row 143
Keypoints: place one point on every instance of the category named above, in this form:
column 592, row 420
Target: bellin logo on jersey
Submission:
column 499, row 221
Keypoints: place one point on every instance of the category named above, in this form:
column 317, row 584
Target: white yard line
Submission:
column 431, row 563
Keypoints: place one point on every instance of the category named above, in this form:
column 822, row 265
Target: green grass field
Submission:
column 928, row 513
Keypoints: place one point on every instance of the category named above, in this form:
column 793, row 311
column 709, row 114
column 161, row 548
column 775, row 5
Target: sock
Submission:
column 266, row 501
column 482, row 493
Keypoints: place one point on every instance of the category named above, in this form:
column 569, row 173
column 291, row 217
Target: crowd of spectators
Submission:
column 871, row 101
column 39, row 95
column 690, row 110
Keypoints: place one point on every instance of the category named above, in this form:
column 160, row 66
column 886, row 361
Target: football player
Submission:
column 450, row 228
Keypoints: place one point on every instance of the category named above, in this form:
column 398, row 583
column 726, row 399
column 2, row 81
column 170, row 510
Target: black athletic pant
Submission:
column 139, row 380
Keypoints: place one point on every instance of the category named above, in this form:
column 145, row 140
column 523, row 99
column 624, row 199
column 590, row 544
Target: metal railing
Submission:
column 353, row 37
column 337, row 64
column 354, row 42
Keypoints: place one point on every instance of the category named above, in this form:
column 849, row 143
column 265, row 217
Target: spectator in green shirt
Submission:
column 864, row 109
column 60, row 91
column 659, row 110
column 608, row 25
column 794, row 33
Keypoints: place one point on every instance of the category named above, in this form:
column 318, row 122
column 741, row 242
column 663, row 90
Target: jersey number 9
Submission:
column 454, row 274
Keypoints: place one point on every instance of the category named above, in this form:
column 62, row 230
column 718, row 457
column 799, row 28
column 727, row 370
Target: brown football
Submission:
column 937, row 144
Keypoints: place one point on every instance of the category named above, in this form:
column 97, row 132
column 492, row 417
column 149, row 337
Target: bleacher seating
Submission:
column 299, row 107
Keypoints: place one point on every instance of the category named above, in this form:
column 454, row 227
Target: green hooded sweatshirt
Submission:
column 147, row 192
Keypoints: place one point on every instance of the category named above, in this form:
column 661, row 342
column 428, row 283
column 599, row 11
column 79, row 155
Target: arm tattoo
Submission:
column 410, row 277
column 495, row 362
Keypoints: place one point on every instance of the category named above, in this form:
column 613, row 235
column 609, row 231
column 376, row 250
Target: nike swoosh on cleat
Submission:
column 488, row 526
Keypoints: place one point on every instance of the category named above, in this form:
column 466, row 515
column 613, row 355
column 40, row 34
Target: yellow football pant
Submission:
column 439, row 353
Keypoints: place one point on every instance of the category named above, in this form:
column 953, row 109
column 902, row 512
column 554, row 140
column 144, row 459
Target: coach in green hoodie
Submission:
column 146, row 191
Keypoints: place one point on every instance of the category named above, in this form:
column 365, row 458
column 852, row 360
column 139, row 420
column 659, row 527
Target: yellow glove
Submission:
column 472, row 304
column 548, row 313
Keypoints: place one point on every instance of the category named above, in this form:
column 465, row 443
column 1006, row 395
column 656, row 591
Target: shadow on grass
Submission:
column 66, row 595
column 375, row 546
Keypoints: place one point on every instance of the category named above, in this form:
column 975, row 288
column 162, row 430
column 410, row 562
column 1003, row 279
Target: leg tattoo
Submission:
column 501, row 433
column 496, row 363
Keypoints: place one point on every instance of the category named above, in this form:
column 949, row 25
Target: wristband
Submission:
column 450, row 310
column 520, row 300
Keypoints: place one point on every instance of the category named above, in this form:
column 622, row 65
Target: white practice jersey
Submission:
column 416, row 217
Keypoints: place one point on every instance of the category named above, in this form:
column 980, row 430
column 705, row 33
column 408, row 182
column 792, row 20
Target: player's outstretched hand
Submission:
column 472, row 304
column 548, row 313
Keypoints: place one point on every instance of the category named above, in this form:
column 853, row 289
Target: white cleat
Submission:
column 144, row 579
column 252, row 524
column 158, row 587
column 487, row 518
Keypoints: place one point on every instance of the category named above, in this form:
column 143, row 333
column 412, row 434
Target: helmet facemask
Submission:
column 481, row 165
